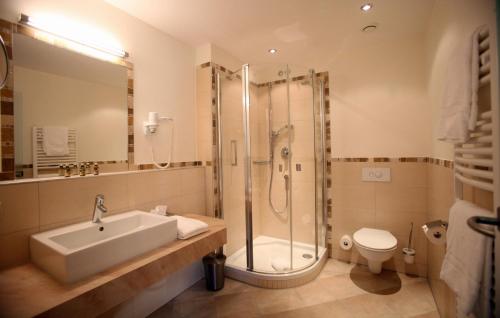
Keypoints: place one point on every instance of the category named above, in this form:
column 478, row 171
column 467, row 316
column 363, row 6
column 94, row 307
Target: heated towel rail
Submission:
column 47, row 164
column 474, row 159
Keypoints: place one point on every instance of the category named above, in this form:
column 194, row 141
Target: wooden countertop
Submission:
column 26, row 291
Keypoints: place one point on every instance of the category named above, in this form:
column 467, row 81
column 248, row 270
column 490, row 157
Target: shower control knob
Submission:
column 285, row 152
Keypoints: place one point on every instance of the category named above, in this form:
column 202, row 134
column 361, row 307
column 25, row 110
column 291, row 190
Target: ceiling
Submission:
column 305, row 32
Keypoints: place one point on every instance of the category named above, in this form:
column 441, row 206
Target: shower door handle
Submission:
column 234, row 153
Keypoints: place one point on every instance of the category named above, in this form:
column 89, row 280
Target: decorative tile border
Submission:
column 441, row 162
column 130, row 114
column 7, row 108
column 8, row 169
column 172, row 165
column 435, row 161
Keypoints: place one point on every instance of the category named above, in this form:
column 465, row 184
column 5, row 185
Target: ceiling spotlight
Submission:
column 272, row 51
column 366, row 7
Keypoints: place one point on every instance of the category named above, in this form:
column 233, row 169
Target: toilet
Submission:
column 377, row 246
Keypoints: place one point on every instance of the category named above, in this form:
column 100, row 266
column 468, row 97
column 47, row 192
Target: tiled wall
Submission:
column 421, row 190
column 205, row 137
column 302, row 141
column 440, row 197
column 390, row 206
column 27, row 208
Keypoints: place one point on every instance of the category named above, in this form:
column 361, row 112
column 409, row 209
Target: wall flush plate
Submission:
column 376, row 174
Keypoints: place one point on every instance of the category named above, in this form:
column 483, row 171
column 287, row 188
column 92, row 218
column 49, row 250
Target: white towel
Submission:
column 55, row 141
column 187, row 227
column 464, row 261
column 475, row 77
column 459, row 109
column 280, row 265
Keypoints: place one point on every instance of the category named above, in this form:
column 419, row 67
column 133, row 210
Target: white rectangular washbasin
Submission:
column 77, row 251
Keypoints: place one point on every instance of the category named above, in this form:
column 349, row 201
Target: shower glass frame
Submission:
column 319, row 164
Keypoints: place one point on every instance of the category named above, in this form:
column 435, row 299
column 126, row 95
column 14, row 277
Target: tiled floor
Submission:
column 341, row 290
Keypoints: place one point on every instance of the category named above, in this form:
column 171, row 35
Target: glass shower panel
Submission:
column 272, row 168
column 303, row 187
column 320, row 162
column 232, row 160
column 271, row 175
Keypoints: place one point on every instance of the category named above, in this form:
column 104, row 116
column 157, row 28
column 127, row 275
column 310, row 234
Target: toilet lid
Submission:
column 375, row 239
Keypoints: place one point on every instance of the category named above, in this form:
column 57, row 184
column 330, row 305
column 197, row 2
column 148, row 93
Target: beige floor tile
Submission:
column 236, row 305
column 432, row 314
column 334, row 268
column 342, row 290
column 276, row 300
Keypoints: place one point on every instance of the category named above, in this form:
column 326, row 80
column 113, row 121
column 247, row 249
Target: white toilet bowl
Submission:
column 377, row 246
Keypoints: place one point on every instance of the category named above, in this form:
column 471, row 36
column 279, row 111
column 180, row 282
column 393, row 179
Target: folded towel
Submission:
column 280, row 265
column 55, row 141
column 187, row 227
column 459, row 108
column 461, row 271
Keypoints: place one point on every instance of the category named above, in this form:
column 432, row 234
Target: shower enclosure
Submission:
column 271, row 172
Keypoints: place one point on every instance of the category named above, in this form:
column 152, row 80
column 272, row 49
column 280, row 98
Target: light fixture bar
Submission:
column 27, row 20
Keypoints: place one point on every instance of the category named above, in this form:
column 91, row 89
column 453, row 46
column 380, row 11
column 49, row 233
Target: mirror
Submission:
column 4, row 63
column 68, row 108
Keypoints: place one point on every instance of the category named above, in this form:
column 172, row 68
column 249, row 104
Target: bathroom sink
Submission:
column 77, row 251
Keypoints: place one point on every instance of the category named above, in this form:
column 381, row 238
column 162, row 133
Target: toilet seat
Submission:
column 375, row 240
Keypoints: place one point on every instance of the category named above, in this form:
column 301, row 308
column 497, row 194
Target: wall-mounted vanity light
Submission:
column 76, row 36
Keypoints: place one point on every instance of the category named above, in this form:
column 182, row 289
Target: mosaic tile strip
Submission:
column 108, row 162
column 441, row 162
column 130, row 113
column 7, row 108
column 172, row 165
column 435, row 161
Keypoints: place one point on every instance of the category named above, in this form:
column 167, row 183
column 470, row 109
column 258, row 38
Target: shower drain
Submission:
column 307, row 256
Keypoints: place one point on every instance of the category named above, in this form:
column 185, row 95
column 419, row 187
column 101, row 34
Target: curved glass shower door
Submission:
column 272, row 160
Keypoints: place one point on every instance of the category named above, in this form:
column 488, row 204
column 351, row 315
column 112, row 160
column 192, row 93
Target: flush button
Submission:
column 376, row 174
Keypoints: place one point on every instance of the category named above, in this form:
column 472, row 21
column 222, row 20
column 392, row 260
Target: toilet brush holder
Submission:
column 409, row 255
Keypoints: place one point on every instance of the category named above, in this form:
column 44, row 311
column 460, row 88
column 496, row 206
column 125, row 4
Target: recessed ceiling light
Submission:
column 366, row 7
column 272, row 51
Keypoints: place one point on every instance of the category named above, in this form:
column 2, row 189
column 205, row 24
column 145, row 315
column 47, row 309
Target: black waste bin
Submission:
column 214, row 271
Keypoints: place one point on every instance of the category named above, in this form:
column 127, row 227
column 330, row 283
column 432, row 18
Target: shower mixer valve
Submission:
column 285, row 152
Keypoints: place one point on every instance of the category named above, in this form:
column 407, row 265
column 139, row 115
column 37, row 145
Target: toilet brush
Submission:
column 409, row 252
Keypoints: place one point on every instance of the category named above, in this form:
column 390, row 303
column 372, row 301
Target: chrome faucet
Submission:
column 99, row 208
